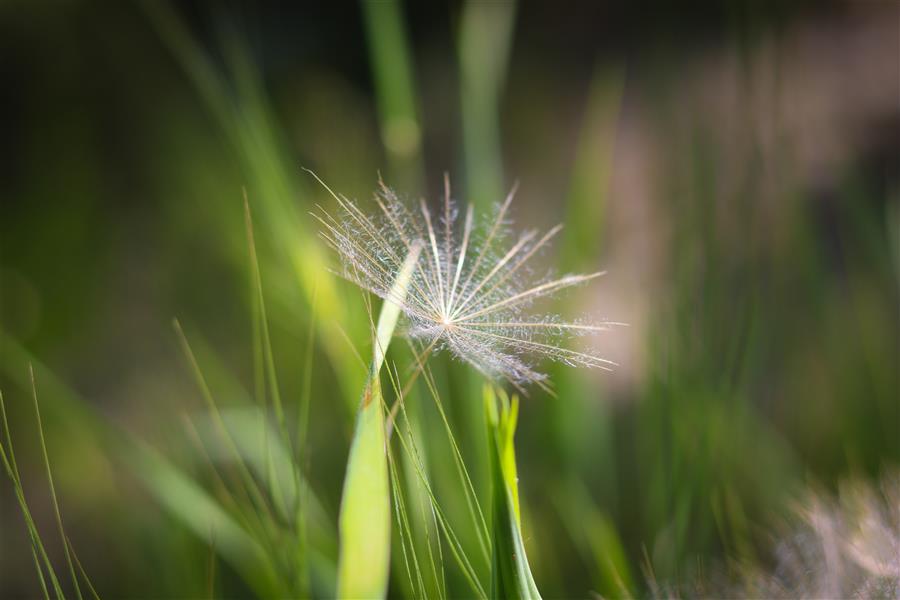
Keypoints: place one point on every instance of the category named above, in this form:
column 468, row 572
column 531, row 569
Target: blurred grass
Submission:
column 237, row 99
column 484, row 45
column 390, row 57
column 769, row 356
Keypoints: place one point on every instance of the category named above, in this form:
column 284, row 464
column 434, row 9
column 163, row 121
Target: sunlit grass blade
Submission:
column 365, row 507
column 511, row 576
column 365, row 517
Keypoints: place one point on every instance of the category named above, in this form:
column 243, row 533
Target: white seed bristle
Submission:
column 471, row 288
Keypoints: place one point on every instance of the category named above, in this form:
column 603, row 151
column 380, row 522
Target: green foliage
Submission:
column 763, row 358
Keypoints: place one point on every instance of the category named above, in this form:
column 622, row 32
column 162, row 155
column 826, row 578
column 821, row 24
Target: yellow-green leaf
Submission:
column 510, row 574
column 365, row 518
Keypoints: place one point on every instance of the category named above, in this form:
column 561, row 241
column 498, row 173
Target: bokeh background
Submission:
column 733, row 165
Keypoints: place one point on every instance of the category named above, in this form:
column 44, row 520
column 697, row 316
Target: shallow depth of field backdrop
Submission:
column 732, row 165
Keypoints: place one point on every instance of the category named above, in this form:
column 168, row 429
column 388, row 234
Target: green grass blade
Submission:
column 262, row 343
column 37, row 546
column 365, row 507
column 456, row 547
column 81, row 570
column 40, row 571
column 485, row 38
column 365, row 518
column 53, row 497
column 407, row 442
column 302, row 450
column 405, row 531
column 392, row 73
column 265, row 337
column 417, row 495
column 510, row 574
column 474, row 506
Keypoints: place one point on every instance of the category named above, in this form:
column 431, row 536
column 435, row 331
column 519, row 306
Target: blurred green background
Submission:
column 733, row 165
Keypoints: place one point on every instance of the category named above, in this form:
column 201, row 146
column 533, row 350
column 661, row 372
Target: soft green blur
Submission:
column 741, row 192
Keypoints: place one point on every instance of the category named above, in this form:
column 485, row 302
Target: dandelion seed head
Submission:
column 474, row 287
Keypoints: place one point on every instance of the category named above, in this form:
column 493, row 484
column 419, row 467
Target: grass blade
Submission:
column 365, row 508
column 485, row 39
column 392, row 73
column 56, row 513
column 37, row 546
column 510, row 574
column 365, row 518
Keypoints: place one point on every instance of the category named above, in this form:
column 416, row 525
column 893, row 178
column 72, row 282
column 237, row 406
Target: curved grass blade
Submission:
column 8, row 457
column 510, row 574
column 56, row 513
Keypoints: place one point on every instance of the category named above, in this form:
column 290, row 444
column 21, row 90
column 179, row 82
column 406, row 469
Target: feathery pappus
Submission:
column 473, row 284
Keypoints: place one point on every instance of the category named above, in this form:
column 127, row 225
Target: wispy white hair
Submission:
column 472, row 287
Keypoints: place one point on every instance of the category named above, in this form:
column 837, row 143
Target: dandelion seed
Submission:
column 473, row 285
